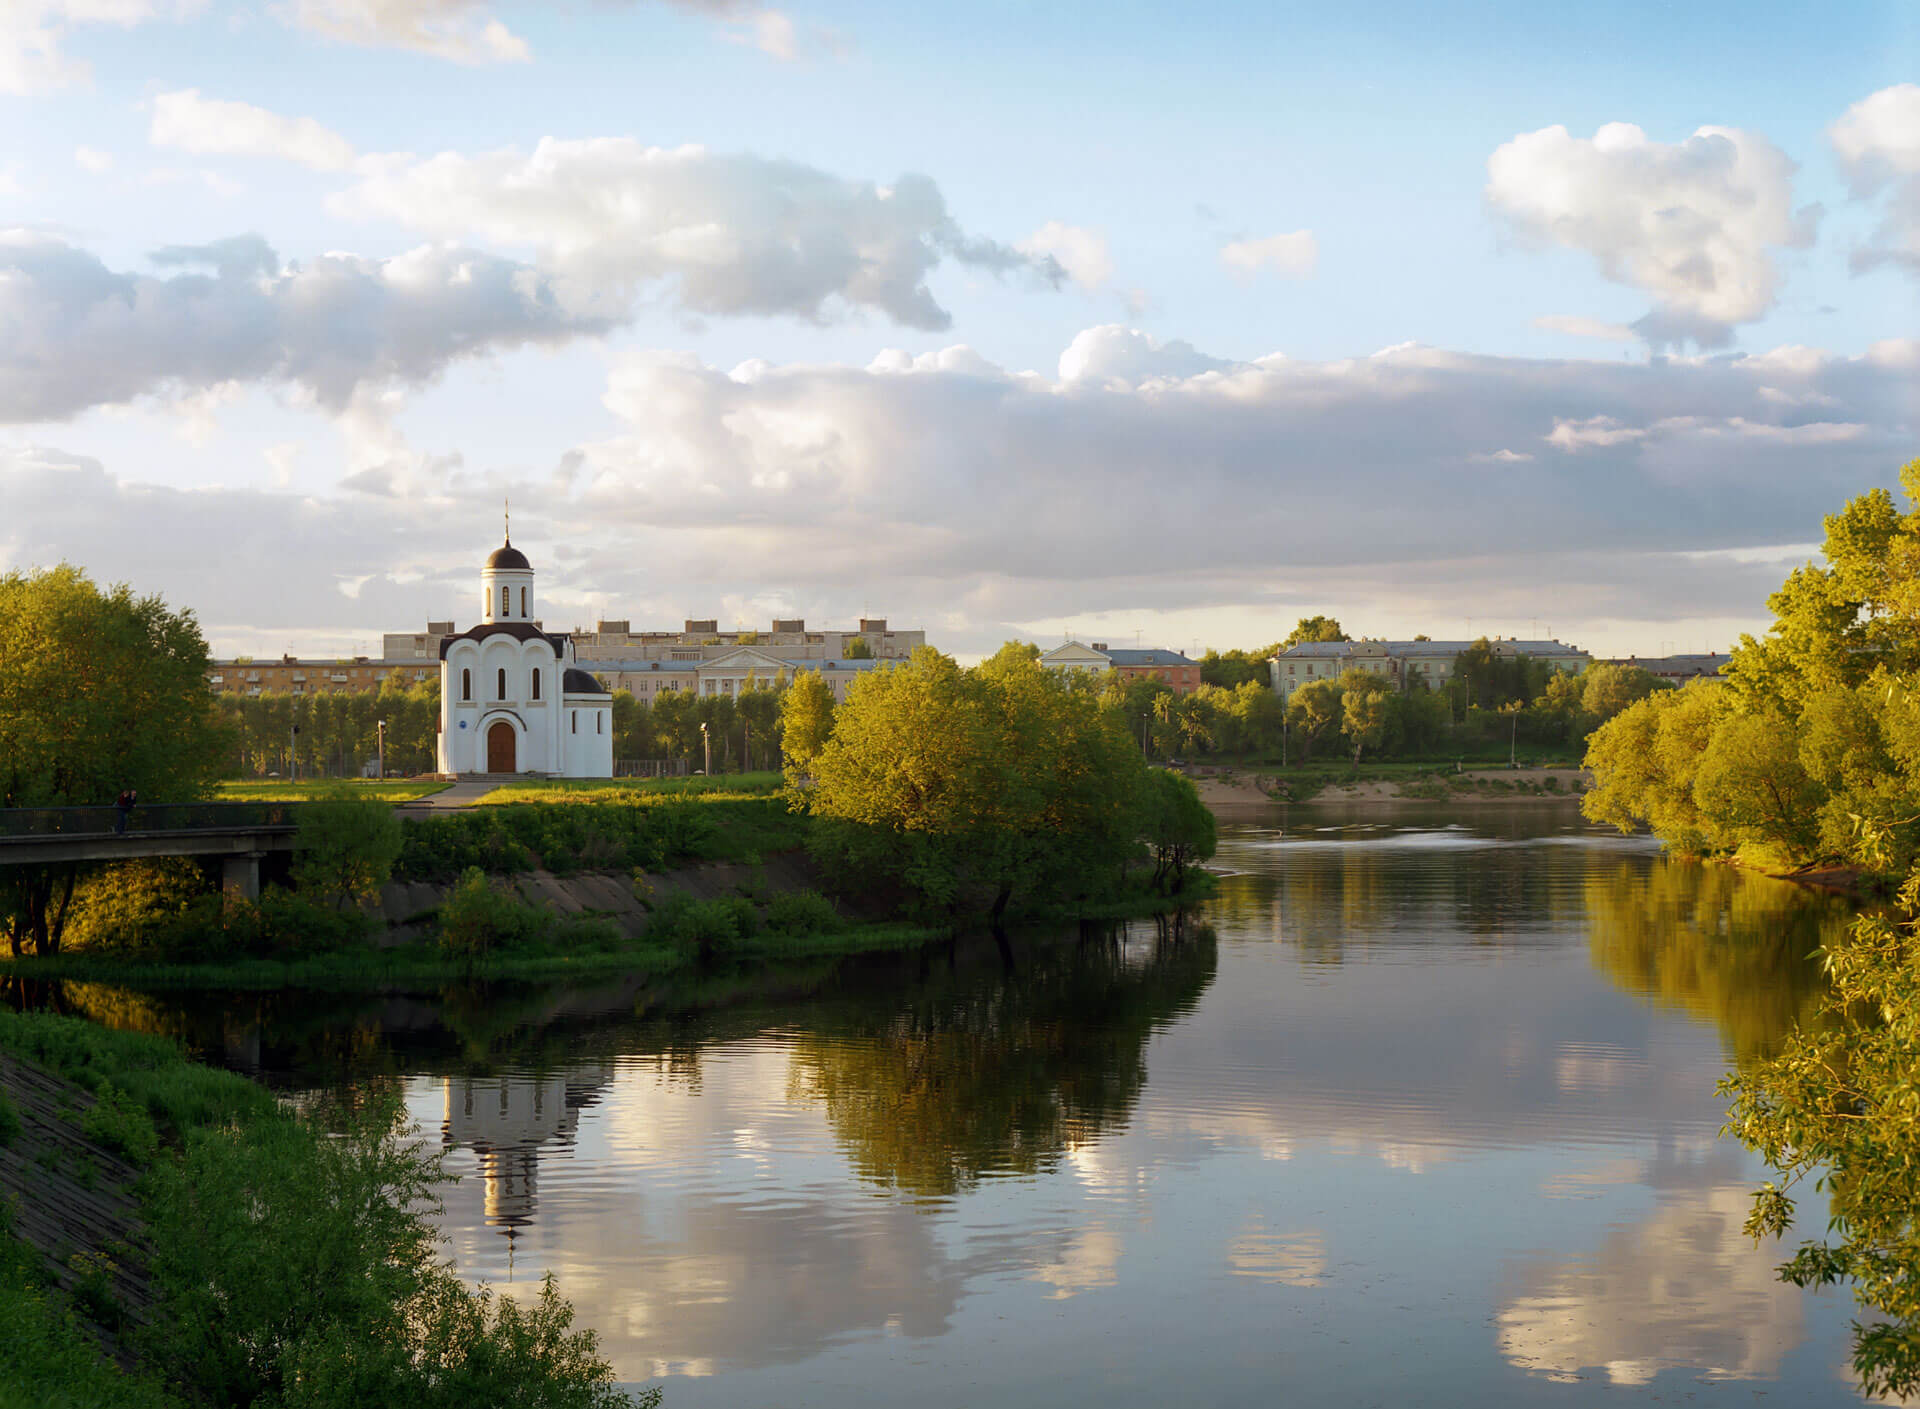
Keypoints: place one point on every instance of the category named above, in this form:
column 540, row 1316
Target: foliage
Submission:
column 1643, row 763
column 121, row 1123
column 345, row 847
column 1312, row 709
column 478, row 916
column 967, row 787
column 1228, row 670
column 99, row 692
column 1177, row 827
column 127, row 905
column 339, row 730
column 806, row 723
column 802, row 912
column 856, row 648
column 9, row 1120
column 1365, row 712
column 707, row 926
column 1837, row 1105
column 1313, row 628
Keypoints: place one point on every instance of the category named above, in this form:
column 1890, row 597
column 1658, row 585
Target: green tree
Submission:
column 806, row 723
column 1311, row 710
column 1365, row 709
column 1643, row 763
column 1606, row 689
column 1177, row 827
column 1232, row 669
column 856, row 648
column 1313, row 628
column 99, row 692
column 1751, row 783
column 345, row 847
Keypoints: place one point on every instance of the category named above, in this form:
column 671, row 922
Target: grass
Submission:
column 721, row 787
column 283, row 790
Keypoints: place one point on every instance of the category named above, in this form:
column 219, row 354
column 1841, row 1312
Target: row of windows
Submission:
column 506, row 601
column 500, row 684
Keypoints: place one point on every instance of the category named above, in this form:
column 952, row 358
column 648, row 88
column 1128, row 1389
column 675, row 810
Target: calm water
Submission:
column 1425, row 1114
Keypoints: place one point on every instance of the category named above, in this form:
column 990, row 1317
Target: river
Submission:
column 1420, row 1109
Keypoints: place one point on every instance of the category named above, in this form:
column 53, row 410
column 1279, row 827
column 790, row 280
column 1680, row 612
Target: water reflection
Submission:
column 1426, row 1105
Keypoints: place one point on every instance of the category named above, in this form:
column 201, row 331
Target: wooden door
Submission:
column 500, row 748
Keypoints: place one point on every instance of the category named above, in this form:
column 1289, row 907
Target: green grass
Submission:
column 721, row 787
column 282, row 790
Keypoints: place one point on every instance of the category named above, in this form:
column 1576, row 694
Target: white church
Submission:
column 511, row 698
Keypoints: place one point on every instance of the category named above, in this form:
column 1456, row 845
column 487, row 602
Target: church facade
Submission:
column 512, row 699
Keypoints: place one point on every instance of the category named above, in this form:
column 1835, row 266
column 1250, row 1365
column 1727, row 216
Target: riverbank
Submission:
column 174, row 1235
column 1237, row 789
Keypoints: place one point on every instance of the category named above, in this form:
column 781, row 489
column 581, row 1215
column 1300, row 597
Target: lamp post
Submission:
column 380, row 733
column 293, row 752
column 706, row 747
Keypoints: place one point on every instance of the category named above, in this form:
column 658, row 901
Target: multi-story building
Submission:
column 1401, row 661
column 291, row 675
column 1170, row 668
column 1677, row 670
column 732, row 673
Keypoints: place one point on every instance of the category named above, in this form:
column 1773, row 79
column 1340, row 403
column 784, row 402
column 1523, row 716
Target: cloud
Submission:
column 32, row 33
column 1692, row 223
column 1292, row 256
column 732, row 234
column 1577, row 327
column 81, row 334
column 1081, row 252
column 1143, row 477
column 458, row 30
column 1877, row 141
column 213, row 127
column 92, row 159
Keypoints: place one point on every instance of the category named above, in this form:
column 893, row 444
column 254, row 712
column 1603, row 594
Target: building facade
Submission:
column 1170, row 668
column 1401, row 661
column 1677, row 670
column 512, row 699
column 787, row 639
column 293, row 676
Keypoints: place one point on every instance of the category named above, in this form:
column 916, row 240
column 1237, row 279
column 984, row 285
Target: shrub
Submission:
column 706, row 925
column 802, row 912
column 478, row 917
column 9, row 1121
column 346, row 846
column 121, row 1124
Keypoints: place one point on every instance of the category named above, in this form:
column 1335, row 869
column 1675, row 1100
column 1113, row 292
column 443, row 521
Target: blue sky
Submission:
column 1083, row 173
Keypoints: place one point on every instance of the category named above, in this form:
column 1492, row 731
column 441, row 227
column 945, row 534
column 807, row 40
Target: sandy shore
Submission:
column 1239, row 790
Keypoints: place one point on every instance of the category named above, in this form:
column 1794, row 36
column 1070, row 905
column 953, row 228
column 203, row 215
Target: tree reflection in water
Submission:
column 1739, row 950
column 1002, row 1077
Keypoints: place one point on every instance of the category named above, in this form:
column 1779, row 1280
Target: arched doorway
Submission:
column 500, row 748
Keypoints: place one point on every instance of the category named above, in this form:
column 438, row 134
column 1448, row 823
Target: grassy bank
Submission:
column 281, row 790
column 1432, row 782
column 286, row 1259
column 616, row 790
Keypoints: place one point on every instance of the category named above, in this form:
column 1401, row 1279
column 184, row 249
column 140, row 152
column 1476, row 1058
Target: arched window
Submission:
column 523, row 601
column 506, row 598
column 536, row 682
column 466, row 684
column 599, row 718
column 573, row 720
column 503, row 682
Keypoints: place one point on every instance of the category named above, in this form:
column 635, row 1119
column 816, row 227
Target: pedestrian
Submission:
column 122, row 806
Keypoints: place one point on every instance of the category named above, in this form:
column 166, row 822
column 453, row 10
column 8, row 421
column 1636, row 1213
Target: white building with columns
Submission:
column 511, row 698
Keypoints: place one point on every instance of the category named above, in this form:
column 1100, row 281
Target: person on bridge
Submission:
column 123, row 806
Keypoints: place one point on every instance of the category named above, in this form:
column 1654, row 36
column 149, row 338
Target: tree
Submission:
column 1364, row 709
column 856, row 648
column 1310, row 711
column 1750, row 782
column 1606, row 689
column 806, row 723
column 345, row 848
column 99, row 692
column 1232, row 669
column 1643, row 763
column 1313, row 628
column 1177, row 828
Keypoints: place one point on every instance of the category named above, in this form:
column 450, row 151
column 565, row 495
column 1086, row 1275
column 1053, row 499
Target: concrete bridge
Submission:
column 240, row 834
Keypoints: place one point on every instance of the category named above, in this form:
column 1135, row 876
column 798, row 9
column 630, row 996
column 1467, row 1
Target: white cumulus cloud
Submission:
column 188, row 122
column 92, row 159
column 1292, row 255
column 1878, row 143
column 33, row 32
column 1081, row 252
column 732, row 233
column 459, row 30
column 1694, row 223
column 1573, row 325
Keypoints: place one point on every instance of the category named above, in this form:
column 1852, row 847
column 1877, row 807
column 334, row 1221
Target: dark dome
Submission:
column 508, row 556
column 578, row 682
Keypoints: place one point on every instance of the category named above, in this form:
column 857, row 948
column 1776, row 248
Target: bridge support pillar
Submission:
column 240, row 877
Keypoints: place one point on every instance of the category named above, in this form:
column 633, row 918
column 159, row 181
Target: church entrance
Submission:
column 500, row 748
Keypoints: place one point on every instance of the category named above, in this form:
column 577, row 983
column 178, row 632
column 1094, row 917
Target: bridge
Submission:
column 240, row 834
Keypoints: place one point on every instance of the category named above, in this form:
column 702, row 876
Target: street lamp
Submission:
column 706, row 746
column 380, row 732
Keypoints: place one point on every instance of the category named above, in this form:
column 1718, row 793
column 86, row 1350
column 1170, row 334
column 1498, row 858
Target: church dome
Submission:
column 508, row 556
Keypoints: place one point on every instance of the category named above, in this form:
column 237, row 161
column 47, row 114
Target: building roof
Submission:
column 1150, row 656
column 1336, row 649
column 731, row 662
column 519, row 630
column 508, row 556
column 579, row 682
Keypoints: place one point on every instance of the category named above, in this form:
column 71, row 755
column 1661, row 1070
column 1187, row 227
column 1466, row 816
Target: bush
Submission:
column 121, row 1124
column 346, row 846
column 9, row 1121
column 478, row 917
column 802, row 912
column 706, row 925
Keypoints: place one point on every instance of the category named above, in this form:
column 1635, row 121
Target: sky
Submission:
column 1166, row 324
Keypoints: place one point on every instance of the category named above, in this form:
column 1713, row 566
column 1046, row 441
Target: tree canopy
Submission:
column 1314, row 628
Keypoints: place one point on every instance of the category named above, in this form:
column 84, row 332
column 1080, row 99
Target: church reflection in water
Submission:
column 507, row 1121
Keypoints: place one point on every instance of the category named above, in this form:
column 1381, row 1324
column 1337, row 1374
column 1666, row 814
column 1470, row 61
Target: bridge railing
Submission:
column 143, row 817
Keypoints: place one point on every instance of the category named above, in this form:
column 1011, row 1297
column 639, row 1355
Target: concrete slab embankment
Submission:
column 615, row 896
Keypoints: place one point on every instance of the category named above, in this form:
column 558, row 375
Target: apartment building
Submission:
column 1400, row 661
column 1170, row 668
column 291, row 675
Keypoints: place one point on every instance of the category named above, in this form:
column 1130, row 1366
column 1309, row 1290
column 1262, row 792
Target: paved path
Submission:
column 470, row 788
